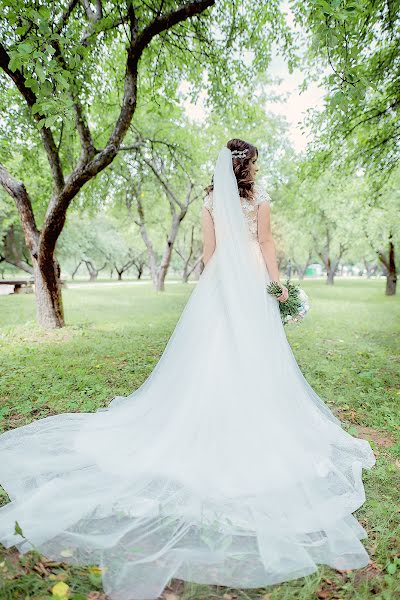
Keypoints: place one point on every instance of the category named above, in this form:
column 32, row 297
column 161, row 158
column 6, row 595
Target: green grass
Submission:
column 347, row 348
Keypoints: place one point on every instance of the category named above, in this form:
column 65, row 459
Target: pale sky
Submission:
column 297, row 102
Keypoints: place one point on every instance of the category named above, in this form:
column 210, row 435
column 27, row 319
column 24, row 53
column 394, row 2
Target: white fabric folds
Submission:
column 223, row 467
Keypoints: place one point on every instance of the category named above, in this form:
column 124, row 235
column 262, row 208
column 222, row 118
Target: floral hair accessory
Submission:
column 239, row 153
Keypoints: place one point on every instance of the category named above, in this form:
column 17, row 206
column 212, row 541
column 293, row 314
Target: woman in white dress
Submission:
column 224, row 466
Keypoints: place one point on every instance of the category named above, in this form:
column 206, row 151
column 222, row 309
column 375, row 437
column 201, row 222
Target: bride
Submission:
column 224, row 466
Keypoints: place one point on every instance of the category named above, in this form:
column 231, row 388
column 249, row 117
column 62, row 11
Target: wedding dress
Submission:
column 224, row 467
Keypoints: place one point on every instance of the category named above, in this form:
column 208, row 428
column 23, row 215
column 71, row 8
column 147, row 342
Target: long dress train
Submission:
column 223, row 467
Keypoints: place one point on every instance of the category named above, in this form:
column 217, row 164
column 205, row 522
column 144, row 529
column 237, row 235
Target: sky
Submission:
column 297, row 102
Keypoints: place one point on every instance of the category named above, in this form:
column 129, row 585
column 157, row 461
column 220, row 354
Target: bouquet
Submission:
column 296, row 306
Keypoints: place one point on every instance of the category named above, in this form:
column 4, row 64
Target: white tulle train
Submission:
column 224, row 467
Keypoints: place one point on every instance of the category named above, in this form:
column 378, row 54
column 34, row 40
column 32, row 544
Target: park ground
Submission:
column 347, row 348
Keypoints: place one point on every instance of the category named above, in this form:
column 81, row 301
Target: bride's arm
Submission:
column 266, row 240
column 208, row 235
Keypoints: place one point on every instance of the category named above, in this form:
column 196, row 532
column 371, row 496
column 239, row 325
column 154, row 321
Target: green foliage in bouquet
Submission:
column 295, row 307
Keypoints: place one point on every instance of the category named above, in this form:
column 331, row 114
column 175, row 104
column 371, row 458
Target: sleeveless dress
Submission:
column 216, row 470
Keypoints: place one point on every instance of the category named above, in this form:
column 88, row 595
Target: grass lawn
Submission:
column 347, row 348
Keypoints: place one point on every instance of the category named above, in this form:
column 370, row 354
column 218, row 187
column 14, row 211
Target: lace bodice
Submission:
column 249, row 207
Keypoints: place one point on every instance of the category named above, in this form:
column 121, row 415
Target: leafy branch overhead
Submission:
column 359, row 41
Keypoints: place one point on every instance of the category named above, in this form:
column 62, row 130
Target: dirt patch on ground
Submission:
column 383, row 439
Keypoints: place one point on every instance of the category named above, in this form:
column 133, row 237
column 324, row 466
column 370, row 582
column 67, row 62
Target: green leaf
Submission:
column 44, row 11
column 14, row 64
column 64, row 83
column 44, row 27
column 46, row 88
column 51, row 120
column 18, row 530
column 39, row 72
column 21, row 30
column 25, row 48
column 325, row 5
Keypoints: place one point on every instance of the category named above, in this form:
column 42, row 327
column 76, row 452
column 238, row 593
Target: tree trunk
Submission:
column 289, row 269
column 389, row 266
column 197, row 271
column 166, row 258
column 49, row 305
column 301, row 273
column 369, row 267
column 391, row 277
column 74, row 272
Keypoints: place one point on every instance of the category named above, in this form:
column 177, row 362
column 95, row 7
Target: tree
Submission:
column 96, row 241
column 60, row 61
column 379, row 225
column 190, row 253
column 358, row 40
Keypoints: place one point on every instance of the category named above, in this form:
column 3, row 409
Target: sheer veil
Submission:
column 241, row 288
column 252, row 313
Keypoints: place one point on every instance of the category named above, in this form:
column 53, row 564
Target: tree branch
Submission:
column 65, row 16
column 162, row 23
column 46, row 134
column 88, row 150
column 12, row 256
column 17, row 190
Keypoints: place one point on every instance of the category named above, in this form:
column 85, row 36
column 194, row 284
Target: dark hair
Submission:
column 241, row 167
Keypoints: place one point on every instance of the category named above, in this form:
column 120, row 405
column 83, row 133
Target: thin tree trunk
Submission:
column 391, row 271
column 199, row 268
column 330, row 274
column 74, row 272
column 166, row 259
column 93, row 272
column 195, row 268
column 369, row 267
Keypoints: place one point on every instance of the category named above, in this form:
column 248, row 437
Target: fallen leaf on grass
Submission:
column 58, row 577
column 60, row 590
column 41, row 569
column 344, row 571
column 95, row 570
column 369, row 572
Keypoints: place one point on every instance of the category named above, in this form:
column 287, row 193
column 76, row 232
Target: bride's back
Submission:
column 249, row 207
